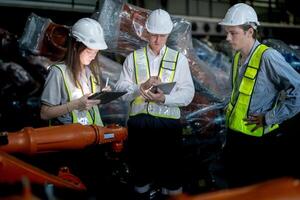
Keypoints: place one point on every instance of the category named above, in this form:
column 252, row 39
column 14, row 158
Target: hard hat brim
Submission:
column 96, row 46
column 231, row 24
column 159, row 32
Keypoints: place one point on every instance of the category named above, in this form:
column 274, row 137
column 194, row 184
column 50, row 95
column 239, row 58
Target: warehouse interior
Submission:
column 85, row 169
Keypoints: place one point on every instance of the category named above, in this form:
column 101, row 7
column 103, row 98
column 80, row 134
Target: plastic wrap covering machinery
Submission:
column 50, row 139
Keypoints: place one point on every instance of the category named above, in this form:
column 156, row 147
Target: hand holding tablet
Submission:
column 165, row 87
column 106, row 96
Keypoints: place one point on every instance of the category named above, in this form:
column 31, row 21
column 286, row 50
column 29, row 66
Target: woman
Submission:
column 70, row 83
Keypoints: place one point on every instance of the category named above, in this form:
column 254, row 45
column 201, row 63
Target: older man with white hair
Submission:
column 154, row 128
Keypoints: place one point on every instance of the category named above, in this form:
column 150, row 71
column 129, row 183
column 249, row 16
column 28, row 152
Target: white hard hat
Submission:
column 159, row 22
column 90, row 33
column 240, row 14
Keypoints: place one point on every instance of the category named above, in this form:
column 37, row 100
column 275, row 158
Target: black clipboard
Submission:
column 106, row 96
column 165, row 87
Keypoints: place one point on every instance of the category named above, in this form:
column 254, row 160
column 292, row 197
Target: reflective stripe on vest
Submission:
column 83, row 117
column 166, row 74
column 235, row 113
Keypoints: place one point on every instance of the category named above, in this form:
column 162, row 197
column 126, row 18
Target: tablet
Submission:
column 165, row 87
column 106, row 96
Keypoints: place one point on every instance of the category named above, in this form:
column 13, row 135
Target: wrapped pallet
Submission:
column 124, row 29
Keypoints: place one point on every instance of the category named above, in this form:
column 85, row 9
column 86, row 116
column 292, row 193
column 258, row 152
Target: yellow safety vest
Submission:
column 83, row 117
column 166, row 74
column 236, row 112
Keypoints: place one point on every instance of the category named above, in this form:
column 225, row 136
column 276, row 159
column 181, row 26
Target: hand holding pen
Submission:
column 107, row 87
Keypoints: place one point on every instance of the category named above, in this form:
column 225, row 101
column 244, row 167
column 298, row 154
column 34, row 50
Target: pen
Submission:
column 149, row 89
column 107, row 79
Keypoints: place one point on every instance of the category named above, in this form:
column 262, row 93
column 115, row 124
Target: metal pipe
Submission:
column 64, row 137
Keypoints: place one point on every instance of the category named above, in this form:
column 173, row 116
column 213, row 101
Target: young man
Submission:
column 265, row 92
column 154, row 122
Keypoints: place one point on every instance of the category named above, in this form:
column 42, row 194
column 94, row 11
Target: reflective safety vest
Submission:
column 83, row 117
column 236, row 112
column 166, row 73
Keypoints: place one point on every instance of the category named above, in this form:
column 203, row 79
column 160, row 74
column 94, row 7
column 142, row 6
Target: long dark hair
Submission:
column 72, row 61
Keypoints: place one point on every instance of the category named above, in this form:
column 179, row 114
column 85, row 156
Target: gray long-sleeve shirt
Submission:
column 277, row 82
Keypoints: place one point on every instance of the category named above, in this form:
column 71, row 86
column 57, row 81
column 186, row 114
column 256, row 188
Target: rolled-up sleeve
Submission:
column 287, row 82
column 53, row 92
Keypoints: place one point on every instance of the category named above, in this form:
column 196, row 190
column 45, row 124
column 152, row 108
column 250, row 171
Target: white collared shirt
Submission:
column 154, row 60
column 181, row 95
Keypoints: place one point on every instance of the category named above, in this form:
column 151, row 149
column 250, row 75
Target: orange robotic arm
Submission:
column 13, row 170
column 276, row 189
column 56, row 138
